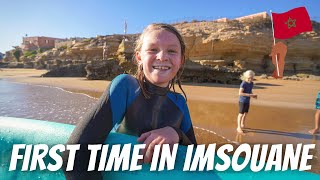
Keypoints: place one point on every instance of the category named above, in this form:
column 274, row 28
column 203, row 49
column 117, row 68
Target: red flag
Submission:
column 291, row 23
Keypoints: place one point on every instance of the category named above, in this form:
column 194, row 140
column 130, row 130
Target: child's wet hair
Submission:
column 247, row 74
column 140, row 75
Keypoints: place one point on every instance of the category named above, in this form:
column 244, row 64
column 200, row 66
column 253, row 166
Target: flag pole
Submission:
column 274, row 43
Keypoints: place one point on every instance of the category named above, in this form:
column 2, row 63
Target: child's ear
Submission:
column 138, row 57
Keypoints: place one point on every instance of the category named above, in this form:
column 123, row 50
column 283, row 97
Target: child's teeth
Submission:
column 161, row 67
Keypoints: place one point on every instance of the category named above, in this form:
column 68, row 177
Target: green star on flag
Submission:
column 291, row 23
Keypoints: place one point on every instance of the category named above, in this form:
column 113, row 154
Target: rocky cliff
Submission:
column 217, row 51
column 247, row 45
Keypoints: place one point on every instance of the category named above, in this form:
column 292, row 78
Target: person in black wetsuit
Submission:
column 142, row 106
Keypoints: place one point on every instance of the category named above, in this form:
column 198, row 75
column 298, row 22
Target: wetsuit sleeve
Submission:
column 95, row 127
column 186, row 133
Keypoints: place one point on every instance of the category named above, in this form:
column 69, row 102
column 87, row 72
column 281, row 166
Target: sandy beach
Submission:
column 282, row 114
column 271, row 92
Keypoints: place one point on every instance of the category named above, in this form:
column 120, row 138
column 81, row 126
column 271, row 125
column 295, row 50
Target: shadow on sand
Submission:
column 266, row 84
column 281, row 133
column 234, row 86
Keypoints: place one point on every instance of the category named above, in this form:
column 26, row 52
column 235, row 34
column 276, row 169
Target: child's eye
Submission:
column 172, row 51
column 152, row 50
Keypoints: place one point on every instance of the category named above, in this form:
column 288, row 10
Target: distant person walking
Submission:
column 105, row 51
column 316, row 116
column 245, row 93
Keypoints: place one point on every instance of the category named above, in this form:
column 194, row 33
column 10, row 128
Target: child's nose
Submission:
column 162, row 56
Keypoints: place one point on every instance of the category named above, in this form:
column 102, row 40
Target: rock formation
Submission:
column 217, row 51
column 67, row 71
column 247, row 45
column 103, row 70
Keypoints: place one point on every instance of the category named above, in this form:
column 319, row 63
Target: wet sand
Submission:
column 271, row 92
column 282, row 114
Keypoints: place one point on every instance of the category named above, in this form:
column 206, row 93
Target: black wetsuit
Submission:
column 124, row 108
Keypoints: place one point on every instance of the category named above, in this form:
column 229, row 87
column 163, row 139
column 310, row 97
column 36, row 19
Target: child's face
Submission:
column 160, row 56
column 249, row 78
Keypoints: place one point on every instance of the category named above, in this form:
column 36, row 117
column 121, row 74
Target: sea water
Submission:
column 42, row 102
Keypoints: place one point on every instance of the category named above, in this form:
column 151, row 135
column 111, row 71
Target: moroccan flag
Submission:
column 291, row 23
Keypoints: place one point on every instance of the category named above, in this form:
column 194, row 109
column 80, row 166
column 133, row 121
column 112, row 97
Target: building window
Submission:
column 47, row 41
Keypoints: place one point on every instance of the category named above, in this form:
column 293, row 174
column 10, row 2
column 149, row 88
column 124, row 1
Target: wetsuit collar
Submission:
column 153, row 89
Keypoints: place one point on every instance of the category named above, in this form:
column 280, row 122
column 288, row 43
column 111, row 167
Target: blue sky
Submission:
column 88, row 18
